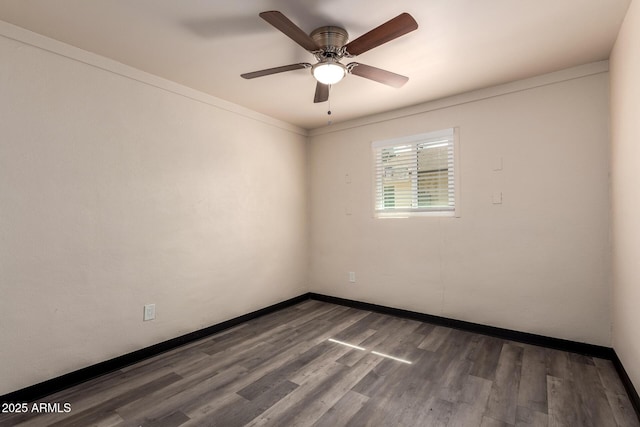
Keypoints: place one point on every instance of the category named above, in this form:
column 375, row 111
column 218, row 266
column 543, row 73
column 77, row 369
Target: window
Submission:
column 416, row 175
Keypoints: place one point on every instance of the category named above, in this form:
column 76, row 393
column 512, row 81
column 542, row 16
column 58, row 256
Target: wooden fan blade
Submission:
column 381, row 76
column 392, row 29
column 322, row 93
column 289, row 29
column 275, row 70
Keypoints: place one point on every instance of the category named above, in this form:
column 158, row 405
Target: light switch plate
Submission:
column 149, row 312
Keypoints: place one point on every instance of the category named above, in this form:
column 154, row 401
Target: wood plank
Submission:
column 558, row 364
column 239, row 412
column 526, row 417
column 109, row 420
column 279, row 375
column 471, row 408
column 492, row 422
column 609, row 377
column 486, row 357
column 622, row 409
column 340, row 413
column 453, row 366
column 181, row 395
column 106, row 409
column 331, row 355
column 312, row 400
column 564, row 405
column 425, row 329
column 435, row 339
column 171, row 420
column 582, row 359
column 436, row 413
column 398, row 391
column 595, row 406
column 210, row 397
column 389, row 338
column 503, row 400
column 532, row 392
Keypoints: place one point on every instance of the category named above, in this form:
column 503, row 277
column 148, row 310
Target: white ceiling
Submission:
column 460, row 45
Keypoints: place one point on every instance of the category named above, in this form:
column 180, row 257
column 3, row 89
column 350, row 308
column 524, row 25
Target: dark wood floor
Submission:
column 319, row 364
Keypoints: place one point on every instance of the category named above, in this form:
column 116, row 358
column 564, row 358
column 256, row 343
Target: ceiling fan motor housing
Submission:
column 330, row 39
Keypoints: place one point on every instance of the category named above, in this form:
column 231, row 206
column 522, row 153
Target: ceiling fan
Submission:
column 329, row 45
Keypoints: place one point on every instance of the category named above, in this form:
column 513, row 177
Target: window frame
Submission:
column 452, row 132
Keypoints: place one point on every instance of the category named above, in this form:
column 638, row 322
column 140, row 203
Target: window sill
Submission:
column 437, row 214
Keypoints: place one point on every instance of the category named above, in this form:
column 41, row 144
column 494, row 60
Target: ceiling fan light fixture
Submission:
column 329, row 72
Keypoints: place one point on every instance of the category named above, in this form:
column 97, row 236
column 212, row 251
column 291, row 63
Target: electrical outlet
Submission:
column 149, row 312
column 352, row 276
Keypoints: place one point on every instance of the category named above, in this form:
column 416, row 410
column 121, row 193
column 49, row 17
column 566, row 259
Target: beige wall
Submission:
column 625, row 158
column 119, row 189
column 538, row 263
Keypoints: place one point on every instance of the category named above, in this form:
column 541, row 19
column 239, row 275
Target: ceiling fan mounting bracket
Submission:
column 325, row 55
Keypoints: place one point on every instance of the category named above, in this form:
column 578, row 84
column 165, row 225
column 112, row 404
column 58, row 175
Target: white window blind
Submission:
column 415, row 174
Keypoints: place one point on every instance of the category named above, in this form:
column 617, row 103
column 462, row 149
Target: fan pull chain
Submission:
column 329, row 111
